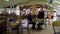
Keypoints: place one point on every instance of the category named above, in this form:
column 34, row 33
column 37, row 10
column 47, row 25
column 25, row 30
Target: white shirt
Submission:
column 24, row 22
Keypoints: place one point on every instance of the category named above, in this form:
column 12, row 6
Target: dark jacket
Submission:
column 41, row 15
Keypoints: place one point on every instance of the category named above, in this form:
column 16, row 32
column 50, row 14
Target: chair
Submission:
column 42, row 22
column 3, row 25
column 56, row 24
column 13, row 27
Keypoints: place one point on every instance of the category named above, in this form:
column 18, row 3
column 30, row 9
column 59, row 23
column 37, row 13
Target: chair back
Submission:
column 56, row 23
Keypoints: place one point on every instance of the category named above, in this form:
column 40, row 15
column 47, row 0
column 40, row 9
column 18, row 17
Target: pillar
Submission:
column 34, row 9
column 5, row 10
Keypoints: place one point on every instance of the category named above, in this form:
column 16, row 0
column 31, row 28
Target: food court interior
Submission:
column 29, row 16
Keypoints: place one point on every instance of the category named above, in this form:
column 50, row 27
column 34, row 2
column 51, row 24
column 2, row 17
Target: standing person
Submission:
column 40, row 15
column 30, row 18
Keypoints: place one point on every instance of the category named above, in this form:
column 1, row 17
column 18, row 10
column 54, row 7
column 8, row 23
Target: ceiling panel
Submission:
column 10, row 2
column 26, row 2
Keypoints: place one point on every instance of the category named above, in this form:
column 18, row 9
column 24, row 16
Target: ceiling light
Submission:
column 7, row 0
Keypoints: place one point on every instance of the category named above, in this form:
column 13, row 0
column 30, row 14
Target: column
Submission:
column 34, row 9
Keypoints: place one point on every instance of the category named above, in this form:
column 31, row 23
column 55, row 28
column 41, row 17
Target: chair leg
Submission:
column 54, row 30
column 9, row 31
column 21, row 31
column 45, row 25
column 28, row 29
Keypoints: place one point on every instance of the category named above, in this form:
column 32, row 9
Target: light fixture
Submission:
column 7, row 0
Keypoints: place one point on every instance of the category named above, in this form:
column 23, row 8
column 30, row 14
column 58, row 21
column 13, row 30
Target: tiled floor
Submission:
column 49, row 30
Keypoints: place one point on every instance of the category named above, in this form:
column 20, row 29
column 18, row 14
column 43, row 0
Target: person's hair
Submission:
column 54, row 11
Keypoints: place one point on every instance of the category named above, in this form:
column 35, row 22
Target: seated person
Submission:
column 24, row 22
column 12, row 20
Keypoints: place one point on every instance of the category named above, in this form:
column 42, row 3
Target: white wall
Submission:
column 1, row 9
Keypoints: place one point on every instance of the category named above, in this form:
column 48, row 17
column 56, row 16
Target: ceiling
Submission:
column 4, row 3
column 10, row 2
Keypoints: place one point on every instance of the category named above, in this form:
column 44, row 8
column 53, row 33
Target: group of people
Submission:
column 30, row 18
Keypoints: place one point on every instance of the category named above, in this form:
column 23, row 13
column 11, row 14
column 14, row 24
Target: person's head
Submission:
column 54, row 11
